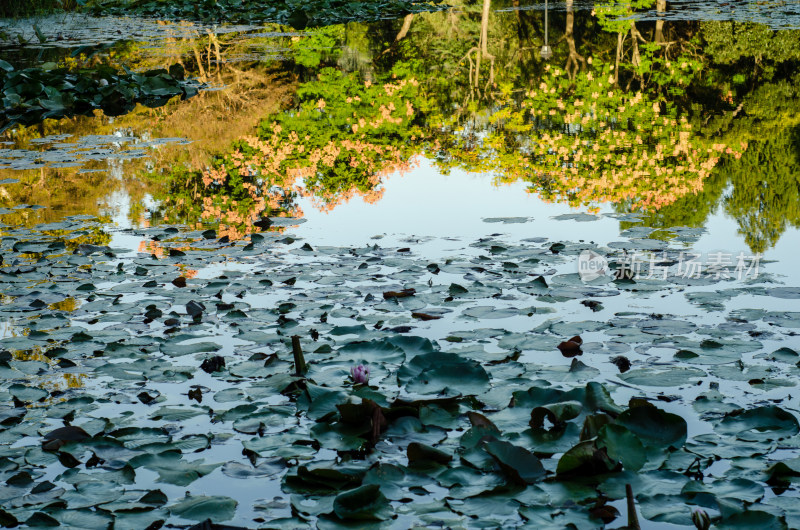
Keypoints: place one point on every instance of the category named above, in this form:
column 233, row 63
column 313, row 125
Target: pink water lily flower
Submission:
column 701, row 519
column 360, row 374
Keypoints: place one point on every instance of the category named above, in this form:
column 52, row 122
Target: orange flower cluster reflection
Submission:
column 599, row 144
column 338, row 145
column 151, row 247
column 155, row 248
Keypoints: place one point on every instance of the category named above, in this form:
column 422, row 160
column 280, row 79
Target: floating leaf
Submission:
column 654, row 427
column 623, row 446
column 759, row 424
column 363, row 503
column 201, row 508
column 584, row 459
column 435, row 372
column 422, row 453
column 521, row 465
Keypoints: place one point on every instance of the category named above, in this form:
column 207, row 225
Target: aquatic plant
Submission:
column 360, row 374
column 299, row 14
column 35, row 94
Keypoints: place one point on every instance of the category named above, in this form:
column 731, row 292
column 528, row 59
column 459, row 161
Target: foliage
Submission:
column 729, row 43
column 342, row 138
column 690, row 210
column 323, row 43
column 586, row 141
column 576, row 138
column 616, row 15
column 765, row 199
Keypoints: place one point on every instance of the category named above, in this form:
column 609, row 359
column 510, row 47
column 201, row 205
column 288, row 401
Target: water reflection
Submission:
column 667, row 119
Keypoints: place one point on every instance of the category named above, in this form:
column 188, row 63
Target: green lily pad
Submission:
column 519, row 464
column 662, row 377
column 585, row 459
column 623, row 446
column 437, row 372
column 365, row 503
column 201, row 508
column 172, row 469
column 759, row 424
column 654, row 427
column 422, row 453
column 739, row 489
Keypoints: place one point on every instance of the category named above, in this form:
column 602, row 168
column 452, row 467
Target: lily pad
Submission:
column 759, row 424
column 654, row 427
column 438, row 372
column 202, row 508
column 363, row 503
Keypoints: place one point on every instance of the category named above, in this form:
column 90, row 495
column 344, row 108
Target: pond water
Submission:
column 563, row 276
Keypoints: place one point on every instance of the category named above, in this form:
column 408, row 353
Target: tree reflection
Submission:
column 614, row 125
column 341, row 139
column 765, row 189
column 666, row 119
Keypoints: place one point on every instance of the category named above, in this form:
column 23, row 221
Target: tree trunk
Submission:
column 484, row 44
column 575, row 61
column 661, row 6
column 406, row 26
column 487, row 5
column 199, row 60
column 635, row 36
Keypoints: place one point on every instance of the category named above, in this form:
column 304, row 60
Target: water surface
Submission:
column 408, row 154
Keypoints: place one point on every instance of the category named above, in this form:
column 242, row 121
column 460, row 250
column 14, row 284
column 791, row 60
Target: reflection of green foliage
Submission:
column 765, row 197
column 652, row 67
column 729, row 43
column 88, row 235
column 310, row 50
column 752, row 67
column 671, row 76
column 221, row 197
column 614, row 15
column 64, row 191
column 495, row 134
column 752, row 99
column 349, row 129
column 649, row 143
column 341, row 137
column 690, row 210
column 585, row 140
